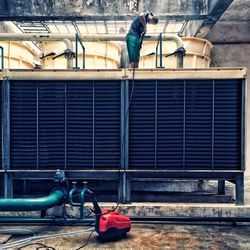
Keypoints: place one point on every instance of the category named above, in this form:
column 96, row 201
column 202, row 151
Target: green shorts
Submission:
column 133, row 47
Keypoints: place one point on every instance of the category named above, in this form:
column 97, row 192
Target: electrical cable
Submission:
column 86, row 242
column 26, row 240
column 43, row 246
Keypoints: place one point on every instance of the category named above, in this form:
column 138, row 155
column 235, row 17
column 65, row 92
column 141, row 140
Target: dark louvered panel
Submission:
column 142, row 133
column 170, row 124
column 80, row 125
column 198, row 124
column 23, row 132
column 1, row 123
column 51, row 109
column 227, row 141
column 107, row 124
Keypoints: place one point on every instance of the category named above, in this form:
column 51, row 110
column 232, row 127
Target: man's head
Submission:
column 152, row 18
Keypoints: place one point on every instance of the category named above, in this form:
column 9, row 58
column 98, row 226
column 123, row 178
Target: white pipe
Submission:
column 88, row 38
column 84, row 38
column 69, row 46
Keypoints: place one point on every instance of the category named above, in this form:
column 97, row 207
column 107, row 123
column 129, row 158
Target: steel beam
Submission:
column 216, row 9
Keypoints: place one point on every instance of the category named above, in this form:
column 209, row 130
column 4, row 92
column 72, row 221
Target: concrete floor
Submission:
column 156, row 236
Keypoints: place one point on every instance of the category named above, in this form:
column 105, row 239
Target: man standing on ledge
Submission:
column 135, row 35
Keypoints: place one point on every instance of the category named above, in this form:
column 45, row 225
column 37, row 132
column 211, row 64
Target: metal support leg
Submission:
column 120, row 185
column 8, row 184
column 128, row 188
column 239, row 188
column 221, row 186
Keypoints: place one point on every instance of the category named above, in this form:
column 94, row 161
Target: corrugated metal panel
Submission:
column 51, row 125
column 93, row 125
column 173, row 124
column 185, row 125
column 107, row 124
column 198, row 124
column 80, row 125
column 227, row 140
column 23, row 137
column 72, row 125
column 142, row 125
column 170, row 117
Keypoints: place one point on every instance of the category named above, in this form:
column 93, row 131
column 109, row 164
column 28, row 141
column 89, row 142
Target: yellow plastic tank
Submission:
column 17, row 55
column 197, row 53
column 98, row 55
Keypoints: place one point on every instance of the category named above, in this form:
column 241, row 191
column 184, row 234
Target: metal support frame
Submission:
column 124, row 192
column 239, row 189
column 8, row 184
column 124, row 176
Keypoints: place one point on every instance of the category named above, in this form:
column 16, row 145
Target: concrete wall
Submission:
column 100, row 7
column 231, row 39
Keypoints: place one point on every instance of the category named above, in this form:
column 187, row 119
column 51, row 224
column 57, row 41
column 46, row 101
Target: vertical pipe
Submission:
column 8, row 185
column 82, row 201
column 69, row 47
column 156, row 54
column 243, row 124
column 76, row 49
column 180, row 57
column 83, row 57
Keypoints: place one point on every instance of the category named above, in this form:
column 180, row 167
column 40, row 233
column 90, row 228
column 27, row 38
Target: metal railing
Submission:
column 78, row 39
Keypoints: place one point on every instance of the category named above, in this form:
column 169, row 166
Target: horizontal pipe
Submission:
column 189, row 219
column 30, row 220
column 84, row 38
column 65, row 221
column 33, row 204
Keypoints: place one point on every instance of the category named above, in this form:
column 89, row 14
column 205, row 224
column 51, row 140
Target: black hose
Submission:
column 188, row 219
